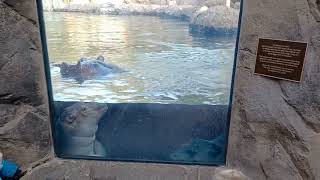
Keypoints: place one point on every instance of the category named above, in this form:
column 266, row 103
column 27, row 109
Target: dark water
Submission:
column 164, row 63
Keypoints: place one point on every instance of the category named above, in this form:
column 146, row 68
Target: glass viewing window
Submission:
column 140, row 80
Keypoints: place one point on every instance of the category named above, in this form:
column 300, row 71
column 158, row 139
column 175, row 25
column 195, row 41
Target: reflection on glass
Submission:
column 139, row 87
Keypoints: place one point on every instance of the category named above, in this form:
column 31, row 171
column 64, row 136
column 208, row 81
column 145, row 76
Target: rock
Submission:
column 203, row 9
column 315, row 9
column 211, row 3
column 314, row 153
column 87, row 8
column 159, row 2
column 87, row 68
column 23, row 9
column 228, row 174
column 24, row 133
column 236, row 5
column 191, row 2
column 50, row 5
column 216, row 20
column 275, row 118
column 24, row 122
column 102, row 170
column 20, row 56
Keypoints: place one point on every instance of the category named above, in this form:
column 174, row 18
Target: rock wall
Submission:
column 183, row 2
column 275, row 124
column 24, row 123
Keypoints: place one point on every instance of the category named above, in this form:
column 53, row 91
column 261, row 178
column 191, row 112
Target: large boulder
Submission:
column 215, row 20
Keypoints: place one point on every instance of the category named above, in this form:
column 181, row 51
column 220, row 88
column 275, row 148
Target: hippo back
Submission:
column 92, row 68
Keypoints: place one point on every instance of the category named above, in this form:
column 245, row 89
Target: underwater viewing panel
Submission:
column 127, row 84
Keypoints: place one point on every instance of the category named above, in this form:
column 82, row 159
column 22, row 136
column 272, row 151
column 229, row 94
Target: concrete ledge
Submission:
column 53, row 168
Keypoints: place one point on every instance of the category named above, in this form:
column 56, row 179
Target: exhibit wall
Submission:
column 275, row 124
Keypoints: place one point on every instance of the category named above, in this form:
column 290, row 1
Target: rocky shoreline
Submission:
column 213, row 20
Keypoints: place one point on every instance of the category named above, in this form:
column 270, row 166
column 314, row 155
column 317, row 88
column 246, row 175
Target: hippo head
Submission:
column 81, row 119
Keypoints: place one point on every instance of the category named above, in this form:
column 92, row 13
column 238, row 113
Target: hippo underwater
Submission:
column 86, row 69
column 76, row 129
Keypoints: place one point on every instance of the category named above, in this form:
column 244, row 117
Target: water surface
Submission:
column 164, row 63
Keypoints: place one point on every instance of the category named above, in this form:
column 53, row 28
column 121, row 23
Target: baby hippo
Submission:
column 76, row 129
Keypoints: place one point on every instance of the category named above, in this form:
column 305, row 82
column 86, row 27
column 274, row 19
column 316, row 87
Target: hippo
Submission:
column 76, row 129
column 87, row 69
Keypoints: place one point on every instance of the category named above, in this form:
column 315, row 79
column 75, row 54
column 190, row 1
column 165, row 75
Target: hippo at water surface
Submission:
column 87, row 69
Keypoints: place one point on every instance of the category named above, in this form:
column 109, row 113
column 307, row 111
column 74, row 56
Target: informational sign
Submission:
column 280, row 59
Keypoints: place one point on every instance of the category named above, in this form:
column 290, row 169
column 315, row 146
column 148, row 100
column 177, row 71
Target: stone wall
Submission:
column 50, row 5
column 24, row 123
column 275, row 124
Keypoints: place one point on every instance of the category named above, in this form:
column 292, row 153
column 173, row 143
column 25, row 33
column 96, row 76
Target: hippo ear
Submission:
column 100, row 58
column 81, row 60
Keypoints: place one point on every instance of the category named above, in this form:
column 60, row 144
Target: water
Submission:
column 164, row 63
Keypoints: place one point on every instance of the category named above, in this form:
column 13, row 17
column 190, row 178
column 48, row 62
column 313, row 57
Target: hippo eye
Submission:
column 83, row 108
column 70, row 119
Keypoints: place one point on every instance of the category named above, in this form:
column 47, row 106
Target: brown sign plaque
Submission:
column 280, row 59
